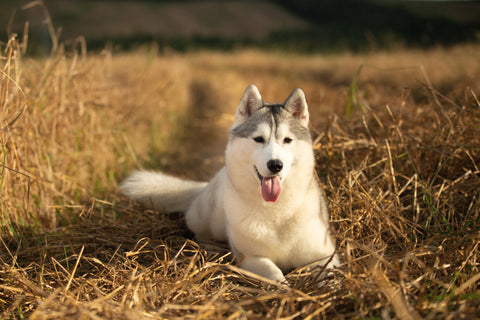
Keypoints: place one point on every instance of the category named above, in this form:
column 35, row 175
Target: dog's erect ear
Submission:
column 250, row 102
column 296, row 104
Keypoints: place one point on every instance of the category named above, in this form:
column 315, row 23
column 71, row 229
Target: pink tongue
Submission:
column 271, row 188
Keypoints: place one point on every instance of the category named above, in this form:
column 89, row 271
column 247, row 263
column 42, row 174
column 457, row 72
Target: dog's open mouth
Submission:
column 271, row 186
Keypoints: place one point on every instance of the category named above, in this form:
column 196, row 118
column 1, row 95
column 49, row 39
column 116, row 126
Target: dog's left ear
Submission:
column 296, row 104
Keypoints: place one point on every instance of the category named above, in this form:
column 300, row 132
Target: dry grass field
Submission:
column 397, row 139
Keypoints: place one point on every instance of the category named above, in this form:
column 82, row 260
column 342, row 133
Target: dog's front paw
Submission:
column 263, row 267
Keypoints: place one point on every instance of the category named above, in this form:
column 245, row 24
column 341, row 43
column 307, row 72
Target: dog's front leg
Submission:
column 263, row 267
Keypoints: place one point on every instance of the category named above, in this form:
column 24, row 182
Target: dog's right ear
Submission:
column 250, row 102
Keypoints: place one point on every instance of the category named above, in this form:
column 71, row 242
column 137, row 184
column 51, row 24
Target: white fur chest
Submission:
column 288, row 235
column 260, row 229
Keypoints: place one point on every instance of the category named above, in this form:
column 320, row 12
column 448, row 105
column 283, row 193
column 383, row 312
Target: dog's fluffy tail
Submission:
column 163, row 192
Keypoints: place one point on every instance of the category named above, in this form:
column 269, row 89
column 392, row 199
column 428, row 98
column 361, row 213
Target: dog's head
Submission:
column 269, row 140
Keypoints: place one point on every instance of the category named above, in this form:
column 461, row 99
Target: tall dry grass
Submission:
column 400, row 172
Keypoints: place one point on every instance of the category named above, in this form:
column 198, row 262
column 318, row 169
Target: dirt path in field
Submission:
column 204, row 135
column 198, row 149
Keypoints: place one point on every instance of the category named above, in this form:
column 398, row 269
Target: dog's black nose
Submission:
column 275, row 166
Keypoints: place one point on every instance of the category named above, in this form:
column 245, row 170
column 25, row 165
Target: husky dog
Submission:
column 266, row 201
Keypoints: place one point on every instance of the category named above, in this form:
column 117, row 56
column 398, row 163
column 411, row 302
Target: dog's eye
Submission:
column 259, row 139
column 287, row 140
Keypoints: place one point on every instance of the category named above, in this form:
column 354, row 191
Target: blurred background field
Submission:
column 96, row 89
column 302, row 26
